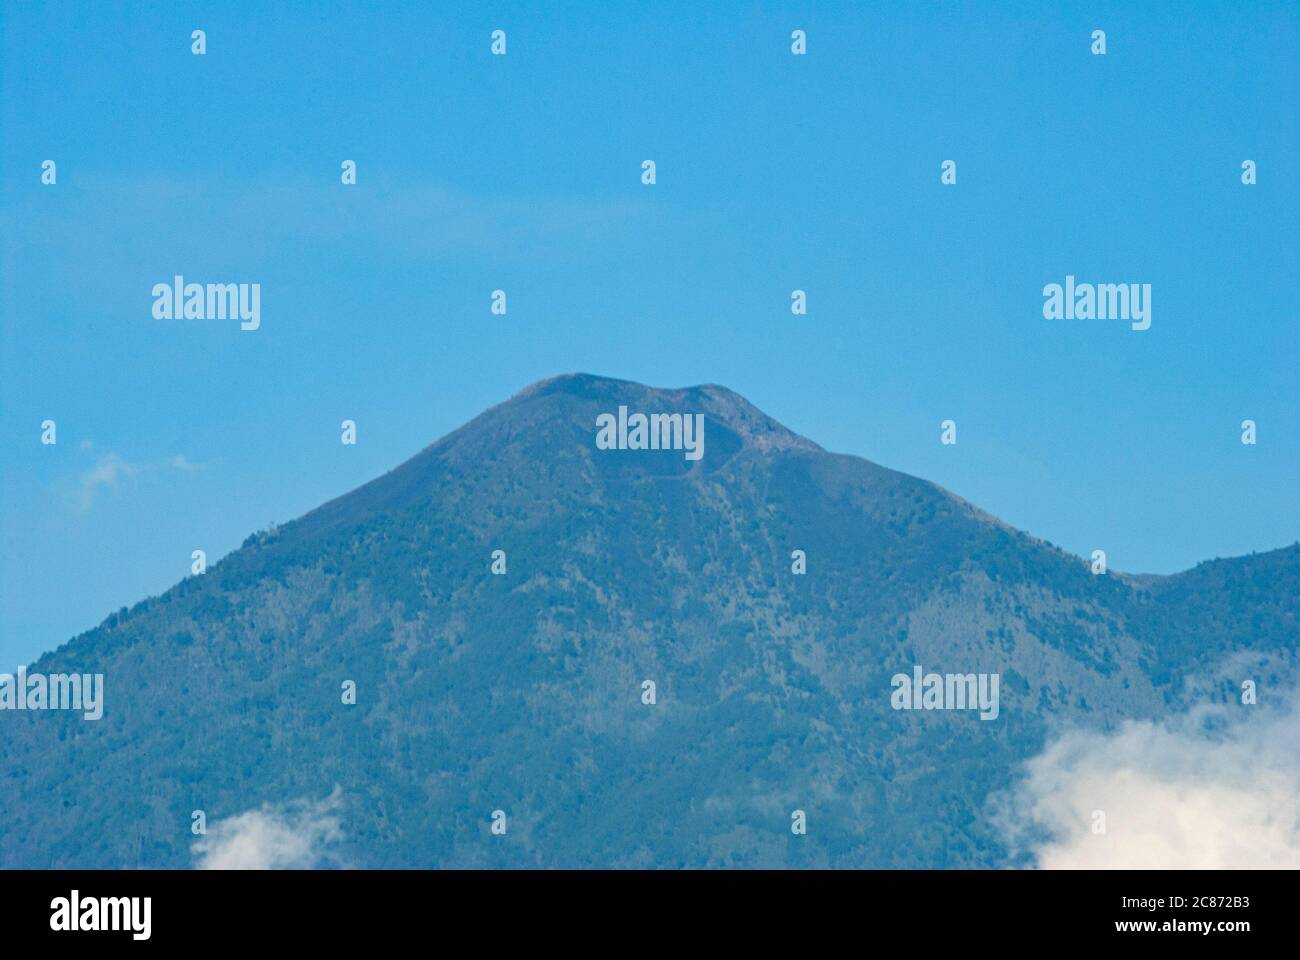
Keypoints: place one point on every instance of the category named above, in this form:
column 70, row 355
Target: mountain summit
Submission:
column 634, row 658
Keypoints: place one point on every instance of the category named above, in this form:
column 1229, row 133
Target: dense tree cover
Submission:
column 522, row 692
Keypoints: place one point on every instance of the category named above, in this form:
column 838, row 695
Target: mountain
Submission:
column 522, row 692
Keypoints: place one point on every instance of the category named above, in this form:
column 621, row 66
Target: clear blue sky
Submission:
column 522, row 172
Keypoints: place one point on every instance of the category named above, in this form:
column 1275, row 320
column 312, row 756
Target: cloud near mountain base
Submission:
column 296, row 836
column 1218, row 788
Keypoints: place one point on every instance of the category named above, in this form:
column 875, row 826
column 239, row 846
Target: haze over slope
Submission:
column 522, row 692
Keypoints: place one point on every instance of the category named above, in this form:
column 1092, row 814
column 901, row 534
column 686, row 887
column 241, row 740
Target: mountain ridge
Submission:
column 478, row 691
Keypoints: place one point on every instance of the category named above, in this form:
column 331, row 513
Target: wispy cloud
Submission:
column 1216, row 788
column 108, row 471
column 294, row 836
column 414, row 220
column 111, row 469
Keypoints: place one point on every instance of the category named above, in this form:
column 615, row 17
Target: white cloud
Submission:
column 111, row 469
column 296, row 836
column 413, row 219
column 106, row 472
column 1217, row 788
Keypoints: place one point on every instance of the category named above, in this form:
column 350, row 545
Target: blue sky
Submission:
column 522, row 172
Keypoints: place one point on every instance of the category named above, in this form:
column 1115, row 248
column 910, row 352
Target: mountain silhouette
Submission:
column 523, row 691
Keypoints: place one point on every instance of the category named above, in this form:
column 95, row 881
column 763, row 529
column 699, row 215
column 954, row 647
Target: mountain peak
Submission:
column 716, row 402
column 498, row 602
